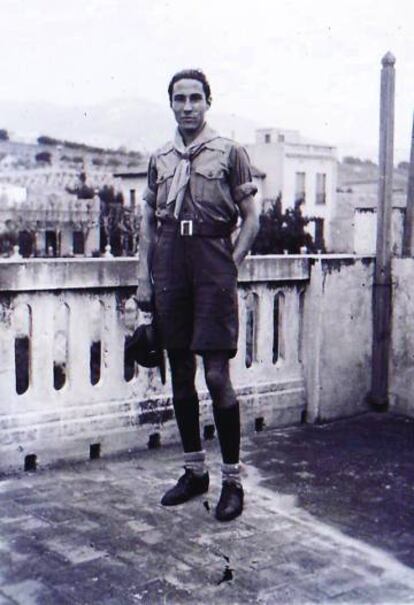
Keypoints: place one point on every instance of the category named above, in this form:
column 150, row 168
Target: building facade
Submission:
column 298, row 169
column 48, row 223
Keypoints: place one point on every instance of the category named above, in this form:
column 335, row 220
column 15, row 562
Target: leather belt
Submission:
column 192, row 228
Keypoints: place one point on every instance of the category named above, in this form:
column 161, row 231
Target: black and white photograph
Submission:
column 206, row 302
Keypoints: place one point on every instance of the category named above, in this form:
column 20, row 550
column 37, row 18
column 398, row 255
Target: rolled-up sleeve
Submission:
column 150, row 193
column 241, row 181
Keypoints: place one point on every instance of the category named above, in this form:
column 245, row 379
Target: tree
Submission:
column 82, row 191
column 280, row 231
column 350, row 159
column 44, row 157
column 45, row 140
column 295, row 236
column 119, row 225
column 269, row 239
column 4, row 135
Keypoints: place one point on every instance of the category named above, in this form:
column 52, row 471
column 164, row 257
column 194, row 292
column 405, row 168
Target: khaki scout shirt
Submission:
column 220, row 179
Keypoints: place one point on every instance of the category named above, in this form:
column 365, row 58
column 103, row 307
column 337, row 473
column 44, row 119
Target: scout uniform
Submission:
column 195, row 192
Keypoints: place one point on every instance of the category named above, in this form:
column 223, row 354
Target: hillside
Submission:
column 136, row 124
column 358, row 174
column 56, row 165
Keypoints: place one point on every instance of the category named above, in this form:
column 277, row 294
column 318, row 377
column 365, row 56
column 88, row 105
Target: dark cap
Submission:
column 143, row 348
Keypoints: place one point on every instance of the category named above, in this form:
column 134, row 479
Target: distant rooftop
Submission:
column 139, row 171
column 283, row 135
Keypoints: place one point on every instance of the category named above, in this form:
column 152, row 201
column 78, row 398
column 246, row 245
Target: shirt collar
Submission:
column 206, row 135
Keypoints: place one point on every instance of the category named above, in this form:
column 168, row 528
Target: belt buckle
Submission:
column 186, row 228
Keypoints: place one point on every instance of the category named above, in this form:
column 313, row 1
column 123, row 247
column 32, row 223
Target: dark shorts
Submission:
column 195, row 282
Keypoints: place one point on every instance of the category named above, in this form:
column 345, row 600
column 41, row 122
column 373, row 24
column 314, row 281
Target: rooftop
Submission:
column 328, row 519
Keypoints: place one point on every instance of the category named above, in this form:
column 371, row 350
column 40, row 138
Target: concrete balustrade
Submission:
column 64, row 388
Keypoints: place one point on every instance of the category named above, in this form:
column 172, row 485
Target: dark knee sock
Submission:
column 187, row 412
column 227, row 421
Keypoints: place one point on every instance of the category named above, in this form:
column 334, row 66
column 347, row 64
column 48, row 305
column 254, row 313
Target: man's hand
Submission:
column 144, row 296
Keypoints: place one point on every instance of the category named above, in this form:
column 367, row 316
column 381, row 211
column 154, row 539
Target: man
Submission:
column 198, row 186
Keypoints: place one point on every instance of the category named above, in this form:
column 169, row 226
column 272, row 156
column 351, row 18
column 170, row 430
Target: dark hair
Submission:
column 191, row 74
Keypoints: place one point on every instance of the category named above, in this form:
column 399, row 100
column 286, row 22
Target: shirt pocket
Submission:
column 209, row 182
column 164, row 180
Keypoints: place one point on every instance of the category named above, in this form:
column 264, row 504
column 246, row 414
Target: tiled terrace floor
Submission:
column 329, row 518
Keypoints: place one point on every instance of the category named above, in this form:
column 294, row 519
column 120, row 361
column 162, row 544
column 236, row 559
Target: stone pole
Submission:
column 408, row 236
column 382, row 276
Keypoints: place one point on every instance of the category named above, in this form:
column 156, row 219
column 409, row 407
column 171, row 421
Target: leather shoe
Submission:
column 230, row 504
column 188, row 486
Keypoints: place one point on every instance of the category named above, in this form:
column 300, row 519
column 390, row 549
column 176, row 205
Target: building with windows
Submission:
column 354, row 223
column 298, row 169
column 44, row 222
column 132, row 184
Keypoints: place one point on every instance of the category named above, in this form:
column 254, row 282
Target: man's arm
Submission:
column 146, row 242
column 249, row 229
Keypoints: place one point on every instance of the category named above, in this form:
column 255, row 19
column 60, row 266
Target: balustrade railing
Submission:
column 65, row 391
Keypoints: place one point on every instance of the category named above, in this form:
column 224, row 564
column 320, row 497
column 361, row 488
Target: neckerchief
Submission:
column 182, row 172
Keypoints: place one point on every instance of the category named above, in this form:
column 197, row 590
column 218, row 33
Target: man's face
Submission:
column 189, row 105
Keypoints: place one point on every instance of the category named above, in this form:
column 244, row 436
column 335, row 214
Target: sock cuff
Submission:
column 231, row 473
column 199, row 456
column 230, row 469
column 195, row 462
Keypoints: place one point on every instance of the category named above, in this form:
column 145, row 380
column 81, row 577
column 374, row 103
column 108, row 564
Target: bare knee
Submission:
column 217, row 381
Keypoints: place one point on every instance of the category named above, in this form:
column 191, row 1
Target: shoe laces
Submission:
column 187, row 477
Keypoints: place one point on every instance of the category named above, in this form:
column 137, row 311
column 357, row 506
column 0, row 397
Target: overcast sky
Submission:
column 313, row 65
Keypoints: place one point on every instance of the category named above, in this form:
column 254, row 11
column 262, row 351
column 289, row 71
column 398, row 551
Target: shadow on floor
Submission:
column 356, row 474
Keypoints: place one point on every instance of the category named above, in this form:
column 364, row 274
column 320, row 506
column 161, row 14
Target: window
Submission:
column 320, row 188
column 300, row 191
column 267, row 138
column 281, row 138
column 132, row 197
column 26, row 243
column 78, row 242
column 51, row 243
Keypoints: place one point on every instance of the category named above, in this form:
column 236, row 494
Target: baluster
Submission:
column 264, row 326
column 42, row 337
column 113, row 347
column 7, row 364
column 79, row 344
column 290, row 322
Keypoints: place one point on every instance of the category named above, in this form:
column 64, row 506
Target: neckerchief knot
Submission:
column 182, row 172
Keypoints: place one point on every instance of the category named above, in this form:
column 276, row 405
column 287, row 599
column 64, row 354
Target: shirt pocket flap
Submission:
column 210, row 172
column 164, row 175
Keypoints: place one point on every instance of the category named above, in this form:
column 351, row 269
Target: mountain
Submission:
column 134, row 123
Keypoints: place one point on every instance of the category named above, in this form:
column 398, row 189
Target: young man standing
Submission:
column 198, row 186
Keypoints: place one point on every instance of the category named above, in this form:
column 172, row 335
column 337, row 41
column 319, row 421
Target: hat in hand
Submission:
column 143, row 348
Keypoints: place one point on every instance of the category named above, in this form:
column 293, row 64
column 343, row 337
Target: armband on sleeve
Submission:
column 240, row 174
